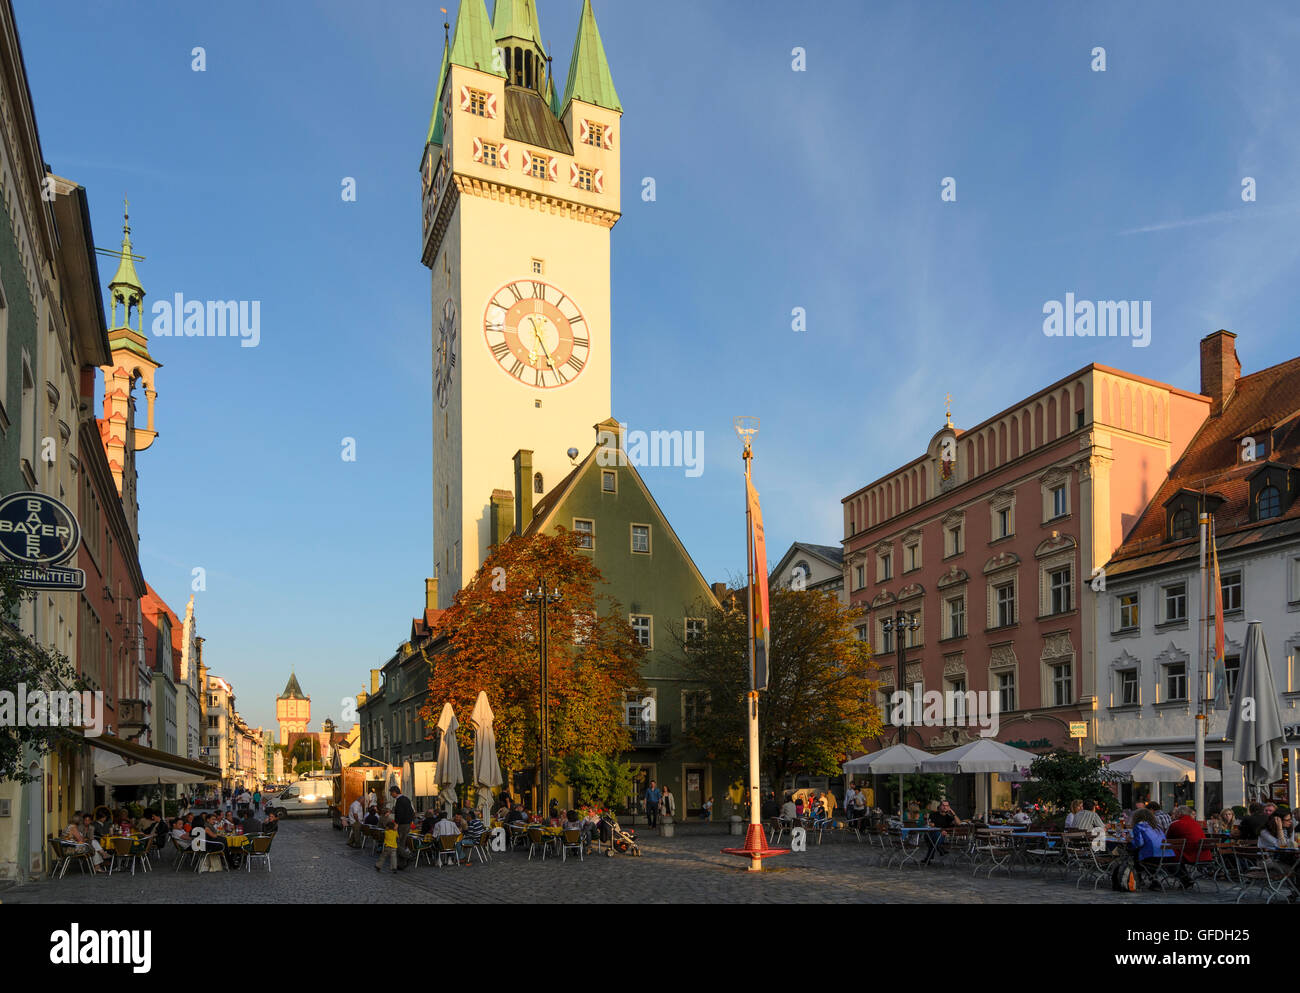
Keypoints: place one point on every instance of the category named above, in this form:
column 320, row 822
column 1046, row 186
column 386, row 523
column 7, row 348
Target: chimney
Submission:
column 374, row 681
column 720, row 592
column 431, row 594
column 502, row 516
column 1220, row 369
column 523, row 489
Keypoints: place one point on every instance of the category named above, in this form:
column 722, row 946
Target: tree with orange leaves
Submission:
column 492, row 644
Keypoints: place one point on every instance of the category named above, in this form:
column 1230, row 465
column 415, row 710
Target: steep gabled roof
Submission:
column 589, row 77
column 292, row 691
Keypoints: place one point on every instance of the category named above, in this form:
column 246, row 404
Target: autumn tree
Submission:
column 492, row 644
column 819, row 703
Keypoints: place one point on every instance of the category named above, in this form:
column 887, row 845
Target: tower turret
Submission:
column 519, row 37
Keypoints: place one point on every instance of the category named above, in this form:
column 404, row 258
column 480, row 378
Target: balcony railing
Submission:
column 649, row 735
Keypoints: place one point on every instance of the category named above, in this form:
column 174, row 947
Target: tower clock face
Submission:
column 445, row 356
column 537, row 334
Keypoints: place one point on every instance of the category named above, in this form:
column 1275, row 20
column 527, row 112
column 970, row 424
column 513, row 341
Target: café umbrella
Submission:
column 1254, row 724
column 487, row 770
column 449, row 774
column 896, row 760
column 1151, row 766
column 984, row 755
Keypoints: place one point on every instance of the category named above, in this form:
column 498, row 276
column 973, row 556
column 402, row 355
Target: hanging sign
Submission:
column 37, row 533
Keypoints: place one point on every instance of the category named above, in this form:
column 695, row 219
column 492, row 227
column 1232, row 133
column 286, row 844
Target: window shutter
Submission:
column 609, row 136
column 600, row 180
column 527, row 161
column 584, row 131
column 478, row 149
column 553, row 167
column 492, row 105
column 503, row 156
column 464, row 98
column 573, row 174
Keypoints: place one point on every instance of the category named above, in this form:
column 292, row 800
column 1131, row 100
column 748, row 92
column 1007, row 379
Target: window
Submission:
column 583, row 625
column 641, row 538
column 634, row 709
column 1130, row 615
column 912, row 556
column 478, row 103
column 914, row 635
column 957, row 617
column 641, row 629
column 1059, row 582
column 595, row 134
column 539, row 167
column 694, row 630
column 586, row 180
column 694, row 704
column 1062, row 684
column 955, row 701
column 885, row 571
column 1268, row 504
column 1182, row 525
column 1128, row 688
column 1175, row 601
column 1006, row 692
column 1232, row 668
column 489, row 153
column 1176, row 681
column 1059, row 506
column 1006, row 604
column 954, row 540
column 1002, row 524
column 586, row 532
column 861, row 631
column 608, row 481
column 859, row 577
column 886, row 639
column 539, row 267
column 539, row 485
column 1231, row 587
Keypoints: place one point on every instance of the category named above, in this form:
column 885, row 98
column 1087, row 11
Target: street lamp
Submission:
column 543, row 600
column 900, row 624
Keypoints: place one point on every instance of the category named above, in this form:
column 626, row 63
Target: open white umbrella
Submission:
column 487, row 770
column 449, row 774
column 896, row 760
column 984, row 755
column 1157, row 767
column 144, row 774
column 1254, row 725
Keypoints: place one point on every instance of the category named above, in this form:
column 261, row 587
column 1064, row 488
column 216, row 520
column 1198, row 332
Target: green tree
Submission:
column 819, row 703
column 600, row 779
column 1063, row 776
column 917, row 787
column 36, row 667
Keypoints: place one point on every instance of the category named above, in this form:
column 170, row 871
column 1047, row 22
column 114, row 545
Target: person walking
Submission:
column 667, row 804
column 403, row 815
column 652, row 798
column 390, row 845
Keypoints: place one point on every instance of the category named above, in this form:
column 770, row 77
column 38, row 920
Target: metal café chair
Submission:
column 572, row 842
column 447, row 849
column 1269, row 874
column 993, row 850
column 259, row 847
column 182, row 854
column 124, row 850
column 537, row 839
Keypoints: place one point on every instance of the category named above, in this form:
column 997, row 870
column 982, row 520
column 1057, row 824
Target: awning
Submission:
column 147, row 774
column 152, row 756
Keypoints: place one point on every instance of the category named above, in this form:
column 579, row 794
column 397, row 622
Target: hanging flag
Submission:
column 1220, row 670
column 760, row 627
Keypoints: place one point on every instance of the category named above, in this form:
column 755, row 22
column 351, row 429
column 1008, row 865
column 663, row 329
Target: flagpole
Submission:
column 755, row 800
column 1201, row 648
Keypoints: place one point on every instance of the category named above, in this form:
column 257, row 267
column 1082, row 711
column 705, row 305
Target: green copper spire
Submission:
column 552, row 97
column 124, row 287
column 435, row 122
column 516, row 19
column 472, row 45
column 589, row 78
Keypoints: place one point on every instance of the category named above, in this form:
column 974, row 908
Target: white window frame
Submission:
column 1000, row 690
column 687, row 638
column 1165, row 589
column 998, row 503
column 631, row 539
column 950, row 629
column 885, row 566
column 1241, row 590
column 912, row 556
column 1163, row 692
column 1135, row 613
column 609, row 474
column 649, row 643
column 591, row 546
column 1118, row 699
column 1054, row 668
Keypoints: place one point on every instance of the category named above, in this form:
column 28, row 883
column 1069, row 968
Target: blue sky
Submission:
column 775, row 190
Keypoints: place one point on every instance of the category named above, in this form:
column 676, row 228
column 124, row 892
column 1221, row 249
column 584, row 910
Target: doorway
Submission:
column 693, row 791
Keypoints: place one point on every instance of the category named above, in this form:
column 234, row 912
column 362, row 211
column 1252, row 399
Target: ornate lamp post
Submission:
column 900, row 624
column 542, row 600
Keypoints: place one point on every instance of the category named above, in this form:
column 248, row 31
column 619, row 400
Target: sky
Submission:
column 799, row 154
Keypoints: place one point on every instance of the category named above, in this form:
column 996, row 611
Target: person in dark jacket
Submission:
column 403, row 815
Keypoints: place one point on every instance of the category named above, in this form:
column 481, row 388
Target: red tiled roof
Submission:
column 423, row 627
column 1265, row 401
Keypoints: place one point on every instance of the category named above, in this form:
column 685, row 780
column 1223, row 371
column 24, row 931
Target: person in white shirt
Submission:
column 355, row 816
column 788, row 811
column 1090, row 821
column 1075, row 808
column 1020, row 817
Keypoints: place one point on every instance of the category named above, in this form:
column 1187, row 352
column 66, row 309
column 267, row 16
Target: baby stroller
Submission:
column 614, row 839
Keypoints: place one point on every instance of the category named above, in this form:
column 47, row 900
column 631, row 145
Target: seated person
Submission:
column 944, row 819
column 181, row 832
column 1249, row 827
column 516, row 815
column 431, row 817
column 372, row 816
column 474, row 828
column 271, row 824
column 1148, row 841
column 82, row 839
column 250, row 824
column 1277, row 836
column 789, row 810
column 1021, row 816
column 1186, row 827
column 212, row 838
column 769, row 808
column 445, row 827
column 1089, row 821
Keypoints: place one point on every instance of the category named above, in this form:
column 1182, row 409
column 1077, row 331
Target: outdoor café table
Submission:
column 912, row 852
column 1025, row 846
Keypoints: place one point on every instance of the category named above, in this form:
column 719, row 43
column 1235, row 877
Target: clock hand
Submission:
column 538, row 336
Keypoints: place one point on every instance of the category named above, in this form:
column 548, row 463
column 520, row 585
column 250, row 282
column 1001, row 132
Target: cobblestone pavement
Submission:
column 311, row 864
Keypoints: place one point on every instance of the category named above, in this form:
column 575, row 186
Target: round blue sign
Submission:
column 36, row 529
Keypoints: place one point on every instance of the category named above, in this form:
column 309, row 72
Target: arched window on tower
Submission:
column 519, row 67
column 537, row 483
column 528, row 69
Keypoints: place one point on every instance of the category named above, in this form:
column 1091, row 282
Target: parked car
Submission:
column 305, row 799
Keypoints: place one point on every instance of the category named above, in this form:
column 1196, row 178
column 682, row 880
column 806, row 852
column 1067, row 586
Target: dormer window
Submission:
column 1272, row 490
column 1183, row 513
column 1182, row 525
column 1268, row 504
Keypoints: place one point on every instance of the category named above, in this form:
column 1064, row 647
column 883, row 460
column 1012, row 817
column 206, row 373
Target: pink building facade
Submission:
column 990, row 538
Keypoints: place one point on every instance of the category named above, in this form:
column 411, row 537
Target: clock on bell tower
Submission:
column 520, row 191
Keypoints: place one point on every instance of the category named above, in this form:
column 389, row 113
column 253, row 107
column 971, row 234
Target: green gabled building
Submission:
column 649, row 572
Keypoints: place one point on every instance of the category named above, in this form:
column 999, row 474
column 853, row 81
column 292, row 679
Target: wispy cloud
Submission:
column 1251, row 213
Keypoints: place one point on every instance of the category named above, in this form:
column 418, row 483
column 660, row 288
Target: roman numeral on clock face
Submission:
column 539, row 291
column 581, row 342
column 517, row 370
column 500, row 350
column 575, row 364
column 514, row 291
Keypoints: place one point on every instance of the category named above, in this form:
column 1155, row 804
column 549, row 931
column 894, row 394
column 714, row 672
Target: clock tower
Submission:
column 520, row 191
column 292, row 710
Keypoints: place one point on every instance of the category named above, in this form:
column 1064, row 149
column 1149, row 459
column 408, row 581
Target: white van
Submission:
column 305, row 798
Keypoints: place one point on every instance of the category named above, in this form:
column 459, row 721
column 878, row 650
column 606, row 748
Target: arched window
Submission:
column 1182, row 525
column 528, row 69
column 537, row 483
column 1268, row 504
column 519, row 67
